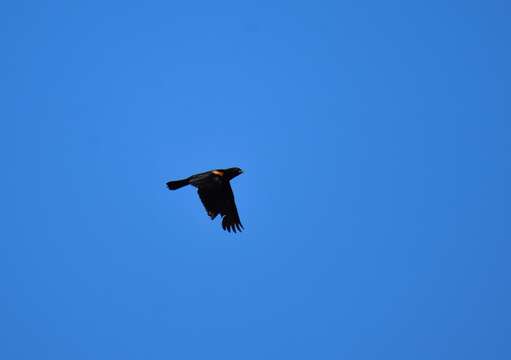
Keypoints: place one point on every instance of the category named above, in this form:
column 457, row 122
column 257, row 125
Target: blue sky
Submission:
column 375, row 139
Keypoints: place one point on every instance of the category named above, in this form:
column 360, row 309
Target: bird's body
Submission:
column 216, row 194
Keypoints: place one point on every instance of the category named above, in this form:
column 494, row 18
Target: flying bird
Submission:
column 216, row 194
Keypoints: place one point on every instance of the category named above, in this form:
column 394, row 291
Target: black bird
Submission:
column 216, row 194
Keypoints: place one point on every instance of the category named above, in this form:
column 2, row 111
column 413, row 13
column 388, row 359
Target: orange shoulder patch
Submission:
column 218, row 172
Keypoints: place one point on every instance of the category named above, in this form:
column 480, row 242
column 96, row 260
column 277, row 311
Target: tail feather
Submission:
column 174, row 185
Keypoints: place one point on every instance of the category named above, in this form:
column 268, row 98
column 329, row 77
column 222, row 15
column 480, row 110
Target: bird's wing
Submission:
column 230, row 218
column 219, row 199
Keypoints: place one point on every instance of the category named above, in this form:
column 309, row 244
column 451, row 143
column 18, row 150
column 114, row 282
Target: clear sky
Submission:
column 375, row 139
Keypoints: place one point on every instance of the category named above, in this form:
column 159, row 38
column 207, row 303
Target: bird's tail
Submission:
column 174, row 185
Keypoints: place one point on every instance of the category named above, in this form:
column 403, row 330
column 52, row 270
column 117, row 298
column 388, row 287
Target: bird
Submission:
column 216, row 194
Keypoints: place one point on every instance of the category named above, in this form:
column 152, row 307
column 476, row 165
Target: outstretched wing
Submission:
column 230, row 218
column 219, row 199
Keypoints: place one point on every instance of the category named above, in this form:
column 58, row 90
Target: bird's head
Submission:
column 233, row 172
